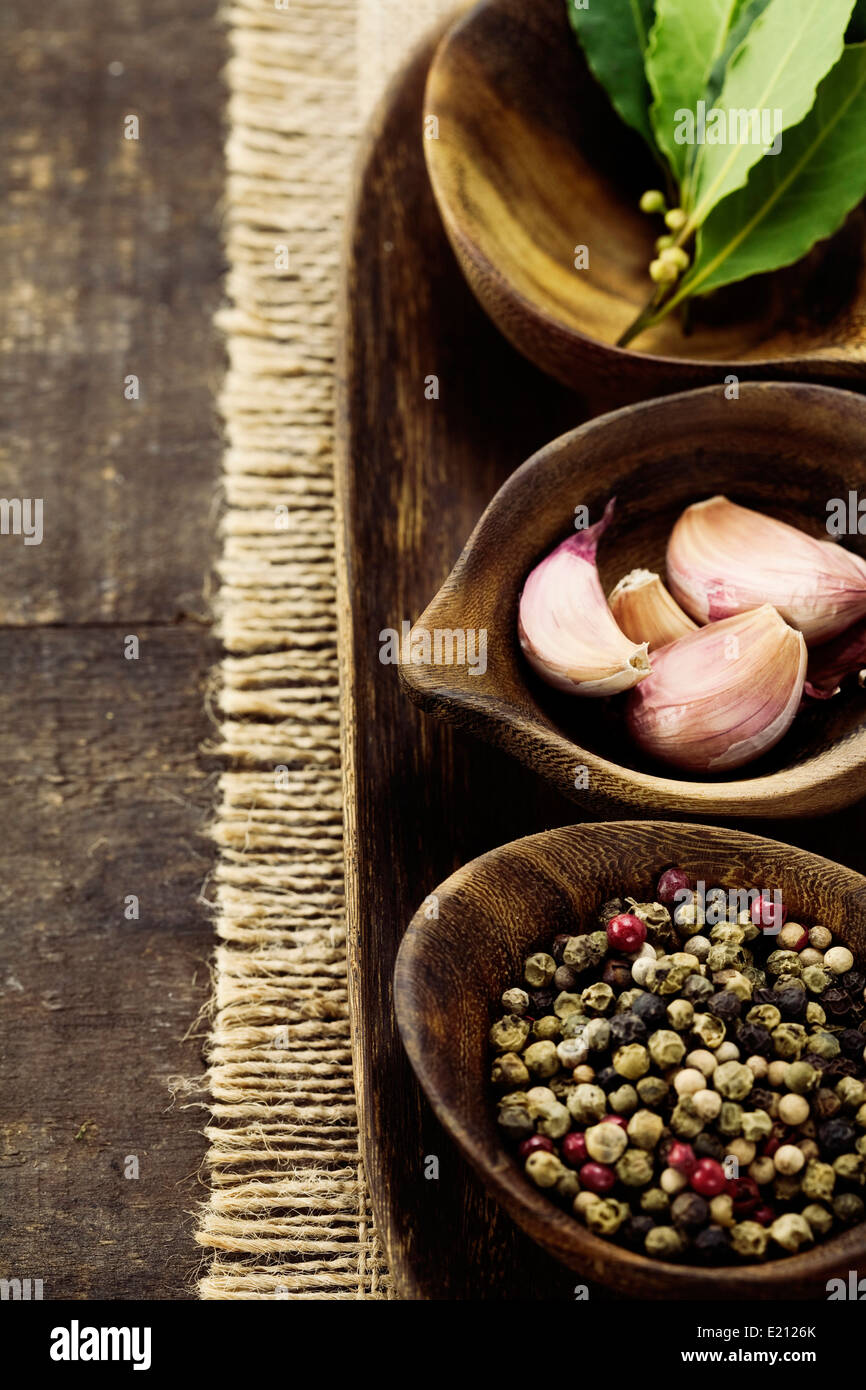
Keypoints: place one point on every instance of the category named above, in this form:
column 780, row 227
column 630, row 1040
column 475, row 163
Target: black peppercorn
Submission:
column 836, row 1137
column 754, row 1039
column 541, row 1002
column 839, row 1067
column 819, row 1063
column 761, row 1099
column 609, row 1079
column 650, row 1009
column 712, row 1246
column 791, row 1003
column 689, row 1211
column 634, row 1231
column 769, row 996
column 617, row 973
column 835, row 1001
column 853, row 981
column 826, row 1104
column 851, row 1042
column 627, row 1028
column 726, row 1005
column 709, row 1146
column 612, row 908
column 698, row 989
column 559, row 944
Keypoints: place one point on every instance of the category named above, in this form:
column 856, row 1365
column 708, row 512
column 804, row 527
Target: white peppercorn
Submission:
column 703, row 1060
column 763, row 1170
column 776, row 1074
column 791, row 1232
column 641, row 969
column 680, row 1015
column 543, row 1168
column 757, row 1066
column 820, row 938
column 727, row 1052
column 722, row 1210
column 689, row 1080
column 541, row 1059
column 733, row 1080
column 632, row 1061
column 698, row 946
column 597, row 1034
column 811, row 957
column 587, row 1104
column 583, row 1201
column 672, row 1181
column 605, row 1142
column 515, row 1001
column 838, row 960
column 584, row 1074
column 788, row 1160
column 743, row 1150
column 707, row 1103
column 539, row 970
column 572, row 1052
column 793, row 1109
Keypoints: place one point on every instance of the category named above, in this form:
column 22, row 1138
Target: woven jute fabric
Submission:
column 287, row 1213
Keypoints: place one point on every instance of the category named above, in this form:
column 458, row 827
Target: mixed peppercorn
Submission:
column 689, row 1076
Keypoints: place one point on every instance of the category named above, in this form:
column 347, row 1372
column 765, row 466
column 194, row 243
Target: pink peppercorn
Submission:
column 770, row 1147
column 534, row 1142
column 597, row 1177
column 572, row 1149
column 626, row 932
column 708, row 1178
column 682, row 1157
column 744, row 1195
column 614, row 1120
column 672, row 881
column 765, row 1216
column 769, row 911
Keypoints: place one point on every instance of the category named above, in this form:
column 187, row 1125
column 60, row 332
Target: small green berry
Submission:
column 676, row 219
column 676, row 256
column 662, row 272
column 653, row 201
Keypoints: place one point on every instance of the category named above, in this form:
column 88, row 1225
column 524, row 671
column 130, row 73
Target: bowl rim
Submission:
column 492, row 715
column 527, row 1205
column 435, row 150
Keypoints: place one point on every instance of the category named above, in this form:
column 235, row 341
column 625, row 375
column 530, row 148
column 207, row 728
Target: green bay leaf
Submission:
column 796, row 198
column 614, row 35
column 777, row 68
column 686, row 42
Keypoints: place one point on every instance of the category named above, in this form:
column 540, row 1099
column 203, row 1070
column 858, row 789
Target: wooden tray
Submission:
column 413, row 476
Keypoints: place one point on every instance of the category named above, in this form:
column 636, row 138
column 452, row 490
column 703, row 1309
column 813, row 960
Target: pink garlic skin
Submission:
column 566, row 629
column 706, row 710
column 724, row 559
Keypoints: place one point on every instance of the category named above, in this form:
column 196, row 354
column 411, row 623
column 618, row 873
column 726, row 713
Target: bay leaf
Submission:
column 796, row 198
column 747, row 13
column 614, row 35
column 686, row 42
column 774, row 72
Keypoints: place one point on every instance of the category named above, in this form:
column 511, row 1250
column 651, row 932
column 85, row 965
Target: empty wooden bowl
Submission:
column 529, row 162
column 783, row 449
column 452, row 968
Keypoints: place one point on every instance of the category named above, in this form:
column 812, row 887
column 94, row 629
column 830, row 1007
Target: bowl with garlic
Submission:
column 671, row 602
column 648, row 1039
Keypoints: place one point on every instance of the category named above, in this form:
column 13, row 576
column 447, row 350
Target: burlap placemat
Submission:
column 287, row 1215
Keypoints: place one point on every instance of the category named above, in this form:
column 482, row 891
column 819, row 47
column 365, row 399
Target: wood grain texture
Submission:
column 655, row 459
column 111, row 265
column 530, row 163
column 414, row 476
column 451, row 971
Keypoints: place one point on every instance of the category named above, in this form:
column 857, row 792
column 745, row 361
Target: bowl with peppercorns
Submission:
column 650, row 1041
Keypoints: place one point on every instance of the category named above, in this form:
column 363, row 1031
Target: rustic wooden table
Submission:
column 111, row 268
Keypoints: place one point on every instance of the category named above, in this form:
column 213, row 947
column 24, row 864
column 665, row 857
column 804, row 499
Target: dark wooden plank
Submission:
column 111, row 265
column 106, row 795
column 413, row 477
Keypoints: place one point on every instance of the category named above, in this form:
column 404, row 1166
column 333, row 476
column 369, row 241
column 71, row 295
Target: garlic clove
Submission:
column 566, row 630
column 646, row 612
column 830, row 663
column 724, row 559
column 723, row 695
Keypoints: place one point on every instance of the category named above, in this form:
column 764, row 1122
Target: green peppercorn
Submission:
column 597, row 1035
column 849, row 1167
column 818, row 1181
column 819, row 1219
column 568, row 1185
column 824, row 1045
column 680, row 1015
column 509, row 1034
column 686, row 1122
column 545, row 1169
column 574, row 1026
column 859, row 1118
column 515, row 1001
column 815, row 979
column 765, row 1014
column 848, row 1207
column 587, row 1104
column 547, row 1028
column 605, row 1142
column 801, row 1077
column 789, row 1040
column 851, row 1092
column 756, row 1125
column 654, row 1201
column 749, row 1239
column 554, row 1121
column 652, row 1090
column 604, row 1218
column 791, row 1232
column 598, row 997
column 631, row 1061
column 509, row 1070
column 733, row 1080
column 541, row 1059
column 730, row 1121
column 583, row 952
column 539, row 970
column 635, row 1168
column 722, row 956
column 626, row 999
column 710, row 1030
column 786, row 1186
column 566, row 1004
column 727, row 933
column 666, row 1048
column 645, row 1129
column 623, row 1100
column 664, row 1242
column 815, row 1015
column 516, row 1122
column 784, row 963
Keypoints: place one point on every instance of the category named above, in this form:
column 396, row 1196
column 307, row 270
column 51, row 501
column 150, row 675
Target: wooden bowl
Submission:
column 530, row 162
column 782, row 449
column 452, row 969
